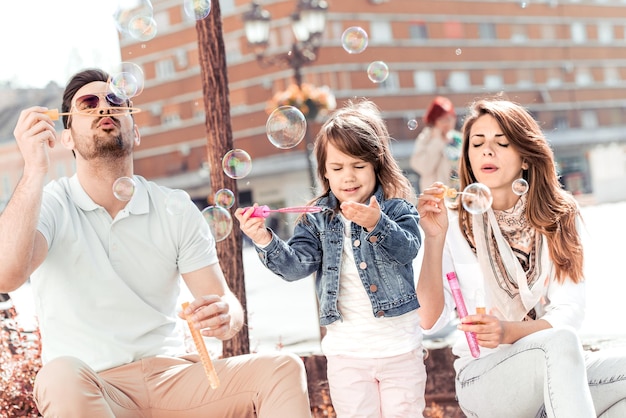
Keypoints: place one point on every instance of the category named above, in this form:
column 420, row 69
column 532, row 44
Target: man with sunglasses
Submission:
column 105, row 277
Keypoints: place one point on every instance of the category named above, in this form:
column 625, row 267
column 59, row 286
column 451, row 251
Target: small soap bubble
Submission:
column 286, row 127
column 354, row 40
column 520, row 186
column 377, row 71
column 237, row 164
column 219, row 220
column 128, row 78
column 224, row 198
column 124, row 188
column 412, row 124
column 197, row 9
column 476, row 198
column 177, row 201
column 123, row 85
column 458, row 51
column 142, row 28
column 128, row 10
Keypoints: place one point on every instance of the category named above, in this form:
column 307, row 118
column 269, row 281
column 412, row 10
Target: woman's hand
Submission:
column 432, row 210
column 489, row 329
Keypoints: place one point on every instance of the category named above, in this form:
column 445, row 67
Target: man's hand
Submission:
column 35, row 133
column 211, row 315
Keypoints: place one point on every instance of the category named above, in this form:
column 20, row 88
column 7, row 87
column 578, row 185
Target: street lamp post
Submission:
column 307, row 23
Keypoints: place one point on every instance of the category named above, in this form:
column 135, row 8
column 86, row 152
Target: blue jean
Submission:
column 546, row 374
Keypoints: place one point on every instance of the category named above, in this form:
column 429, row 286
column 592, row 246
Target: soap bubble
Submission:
column 412, row 124
column 476, row 198
column 237, row 164
column 142, row 28
column 286, row 127
column 219, row 220
column 197, row 9
column 354, row 40
column 124, row 188
column 127, row 80
column 377, row 71
column 224, row 198
column 177, row 201
column 520, row 186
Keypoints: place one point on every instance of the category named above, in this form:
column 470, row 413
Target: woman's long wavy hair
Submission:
column 358, row 130
column 550, row 210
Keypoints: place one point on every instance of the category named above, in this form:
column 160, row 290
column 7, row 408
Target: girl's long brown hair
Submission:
column 550, row 209
column 358, row 130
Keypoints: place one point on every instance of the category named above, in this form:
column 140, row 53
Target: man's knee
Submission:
column 62, row 373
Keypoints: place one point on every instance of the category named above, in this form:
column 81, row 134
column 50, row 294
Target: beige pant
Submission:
column 271, row 385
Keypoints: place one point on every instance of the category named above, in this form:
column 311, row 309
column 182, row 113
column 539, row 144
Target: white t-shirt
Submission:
column 359, row 333
column 107, row 291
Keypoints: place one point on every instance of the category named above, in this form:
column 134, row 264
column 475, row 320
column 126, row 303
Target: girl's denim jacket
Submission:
column 383, row 256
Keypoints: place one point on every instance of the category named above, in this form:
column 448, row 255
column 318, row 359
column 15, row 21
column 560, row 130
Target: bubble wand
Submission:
column 264, row 211
column 214, row 381
column 54, row 114
column 462, row 311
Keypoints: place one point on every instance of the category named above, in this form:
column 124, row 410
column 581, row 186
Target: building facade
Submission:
column 564, row 60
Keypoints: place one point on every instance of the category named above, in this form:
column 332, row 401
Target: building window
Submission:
column 487, row 31
column 524, row 78
column 589, row 119
column 233, row 50
column 493, row 82
column 171, row 119
column 458, row 81
column 162, row 20
column 555, row 78
column 181, row 58
column 165, row 69
column 518, row 34
column 418, row 30
column 561, row 122
column 391, row 83
column 584, row 77
column 611, row 76
column 382, row 29
column 605, row 32
column 425, row 81
column 578, row 32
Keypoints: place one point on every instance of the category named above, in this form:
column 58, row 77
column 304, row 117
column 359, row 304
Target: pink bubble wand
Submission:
column 265, row 211
column 462, row 311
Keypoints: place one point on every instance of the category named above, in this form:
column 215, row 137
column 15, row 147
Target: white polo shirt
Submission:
column 107, row 291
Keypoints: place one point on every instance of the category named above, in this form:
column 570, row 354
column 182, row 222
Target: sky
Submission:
column 49, row 40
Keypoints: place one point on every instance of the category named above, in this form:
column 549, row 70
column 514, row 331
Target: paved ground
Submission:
column 283, row 314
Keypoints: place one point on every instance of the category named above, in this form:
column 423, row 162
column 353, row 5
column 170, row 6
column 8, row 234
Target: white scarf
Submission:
column 508, row 288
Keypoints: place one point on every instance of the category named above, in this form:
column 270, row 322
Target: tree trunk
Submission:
column 219, row 141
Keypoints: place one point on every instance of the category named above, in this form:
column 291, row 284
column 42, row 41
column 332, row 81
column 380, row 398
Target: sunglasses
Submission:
column 89, row 104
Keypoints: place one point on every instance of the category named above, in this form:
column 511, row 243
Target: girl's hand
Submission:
column 253, row 227
column 432, row 211
column 366, row 216
column 489, row 329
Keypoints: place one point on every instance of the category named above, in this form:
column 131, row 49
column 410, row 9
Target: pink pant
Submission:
column 390, row 387
column 271, row 385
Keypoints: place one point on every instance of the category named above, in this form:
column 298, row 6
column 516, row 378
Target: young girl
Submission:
column 360, row 248
column 525, row 256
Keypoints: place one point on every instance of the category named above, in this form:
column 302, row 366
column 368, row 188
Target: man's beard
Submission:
column 105, row 146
